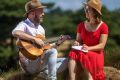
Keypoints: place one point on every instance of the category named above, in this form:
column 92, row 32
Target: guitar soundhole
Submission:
column 36, row 45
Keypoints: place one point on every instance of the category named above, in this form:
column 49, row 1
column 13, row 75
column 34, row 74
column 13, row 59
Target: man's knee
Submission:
column 53, row 51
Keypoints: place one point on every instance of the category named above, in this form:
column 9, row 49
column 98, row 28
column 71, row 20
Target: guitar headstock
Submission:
column 62, row 38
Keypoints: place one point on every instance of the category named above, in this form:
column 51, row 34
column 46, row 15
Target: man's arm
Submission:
column 22, row 35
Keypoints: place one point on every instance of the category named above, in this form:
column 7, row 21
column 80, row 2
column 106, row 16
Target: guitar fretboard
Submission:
column 50, row 40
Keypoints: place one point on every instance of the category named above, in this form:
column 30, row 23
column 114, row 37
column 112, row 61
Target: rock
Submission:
column 112, row 73
column 2, row 78
column 23, row 76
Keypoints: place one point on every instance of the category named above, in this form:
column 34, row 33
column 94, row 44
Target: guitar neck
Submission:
column 51, row 40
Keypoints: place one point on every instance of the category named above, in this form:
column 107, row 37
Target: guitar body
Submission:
column 30, row 50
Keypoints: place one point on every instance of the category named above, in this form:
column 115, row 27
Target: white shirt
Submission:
column 28, row 27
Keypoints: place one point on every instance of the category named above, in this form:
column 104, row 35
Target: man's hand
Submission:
column 38, row 41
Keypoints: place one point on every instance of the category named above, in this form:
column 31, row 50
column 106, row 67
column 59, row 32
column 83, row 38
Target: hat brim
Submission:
column 94, row 8
column 99, row 12
column 34, row 9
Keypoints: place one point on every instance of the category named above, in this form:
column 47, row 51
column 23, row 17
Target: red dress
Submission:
column 93, row 61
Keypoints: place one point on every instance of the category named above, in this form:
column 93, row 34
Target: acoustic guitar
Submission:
column 32, row 50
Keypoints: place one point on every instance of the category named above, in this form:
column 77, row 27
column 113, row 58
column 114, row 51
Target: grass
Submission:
column 7, row 75
column 19, row 75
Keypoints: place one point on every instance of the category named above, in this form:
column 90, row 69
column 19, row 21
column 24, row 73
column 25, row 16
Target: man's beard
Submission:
column 38, row 20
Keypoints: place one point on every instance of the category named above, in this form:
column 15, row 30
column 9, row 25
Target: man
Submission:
column 29, row 28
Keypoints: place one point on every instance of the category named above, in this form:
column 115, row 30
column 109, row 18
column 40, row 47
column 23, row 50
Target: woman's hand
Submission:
column 76, row 43
column 85, row 47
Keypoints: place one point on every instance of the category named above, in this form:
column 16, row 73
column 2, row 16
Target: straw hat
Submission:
column 32, row 5
column 96, row 4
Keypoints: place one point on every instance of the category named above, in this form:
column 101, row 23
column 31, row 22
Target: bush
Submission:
column 112, row 57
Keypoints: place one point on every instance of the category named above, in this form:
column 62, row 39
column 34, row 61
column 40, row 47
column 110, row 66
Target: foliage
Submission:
column 56, row 22
column 5, row 52
column 12, row 8
column 8, row 59
column 112, row 57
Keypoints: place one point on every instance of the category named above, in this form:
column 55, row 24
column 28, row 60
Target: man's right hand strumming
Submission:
column 38, row 41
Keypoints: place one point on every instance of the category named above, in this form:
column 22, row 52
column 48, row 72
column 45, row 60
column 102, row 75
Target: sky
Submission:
column 77, row 4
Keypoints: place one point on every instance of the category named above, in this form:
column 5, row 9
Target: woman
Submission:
column 92, row 35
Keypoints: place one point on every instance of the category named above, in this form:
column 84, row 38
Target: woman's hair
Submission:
column 96, row 16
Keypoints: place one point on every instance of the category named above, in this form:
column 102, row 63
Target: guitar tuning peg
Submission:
column 69, row 37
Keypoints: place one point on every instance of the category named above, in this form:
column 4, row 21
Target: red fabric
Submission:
column 93, row 61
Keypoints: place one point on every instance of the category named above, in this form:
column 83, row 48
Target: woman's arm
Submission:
column 78, row 40
column 100, row 46
column 78, row 37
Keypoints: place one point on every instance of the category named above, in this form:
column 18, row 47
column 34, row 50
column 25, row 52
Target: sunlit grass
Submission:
column 7, row 75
